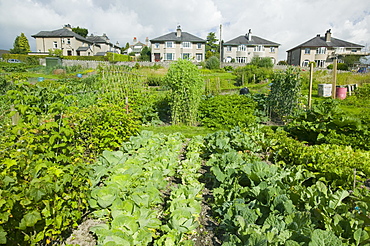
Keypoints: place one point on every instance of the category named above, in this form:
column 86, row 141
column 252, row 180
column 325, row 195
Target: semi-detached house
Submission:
column 322, row 50
column 179, row 44
column 73, row 44
column 242, row 49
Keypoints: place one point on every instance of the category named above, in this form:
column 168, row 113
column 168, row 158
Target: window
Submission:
column 272, row 49
column 258, row 48
column 354, row 50
column 186, row 44
column 68, row 41
column 55, row 44
column 321, row 50
column 185, row 56
column 340, row 50
column 199, row 45
column 228, row 48
column 241, row 59
column 242, row 47
column 156, row 45
column 199, row 57
column 170, row 56
column 169, row 44
column 305, row 63
column 320, row 63
column 307, row 50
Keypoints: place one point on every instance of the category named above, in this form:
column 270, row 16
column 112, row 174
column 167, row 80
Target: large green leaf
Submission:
column 30, row 219
column 324, row 238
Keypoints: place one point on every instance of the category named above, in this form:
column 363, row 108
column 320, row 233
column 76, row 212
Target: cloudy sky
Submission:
column 287, row 22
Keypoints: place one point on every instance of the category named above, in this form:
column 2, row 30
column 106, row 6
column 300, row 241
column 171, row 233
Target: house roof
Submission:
column 320, row 41
column 63, row 32
column 97, row 39
column 172, row 36
column 255, row 40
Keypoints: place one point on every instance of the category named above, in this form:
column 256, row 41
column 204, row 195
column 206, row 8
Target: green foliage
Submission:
column 326, row 123
column 186, row 85
column 227, row 111
column 127, row 187
column 21, row 45
column 331, row 163
column 80, row 31
column 113, row 57
column 27, row 59
column 283, row 99
column 252, row 74
column 262, row 62
column 55, row 52
column 213, row 63
column 340, row 66
column 145, row 54
column 282, row 63
column 212, row 46
column 263, row 204
column 87, row 58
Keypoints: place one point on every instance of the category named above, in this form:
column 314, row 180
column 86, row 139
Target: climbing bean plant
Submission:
column 283, row 99
column 186, row 85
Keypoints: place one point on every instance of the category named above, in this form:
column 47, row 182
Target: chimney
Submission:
column 134, row 40
column 147, row 41
column 68, row 27
column 328, row 36
column 178, row 31
column 249, row 35
column 318, row 35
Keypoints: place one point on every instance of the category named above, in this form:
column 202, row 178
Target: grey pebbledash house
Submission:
column 179, row 44
column 243, row 48
column 322, row 50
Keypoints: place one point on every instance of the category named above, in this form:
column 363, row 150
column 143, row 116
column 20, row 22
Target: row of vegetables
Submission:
column 150, row 193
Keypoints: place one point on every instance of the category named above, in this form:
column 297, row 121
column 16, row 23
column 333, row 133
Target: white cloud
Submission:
column 288, row 22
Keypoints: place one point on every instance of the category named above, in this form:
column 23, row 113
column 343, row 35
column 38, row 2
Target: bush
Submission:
column 213, row 63
column 252, row 74
column 340, row 66
column 227, row 111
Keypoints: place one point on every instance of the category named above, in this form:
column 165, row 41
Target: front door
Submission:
column 157, row 57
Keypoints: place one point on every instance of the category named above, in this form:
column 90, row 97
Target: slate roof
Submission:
column 254, row 41
column 97, row 39
column 82, row 49
column 63, row 32
column 319, row 41
column 172, row 36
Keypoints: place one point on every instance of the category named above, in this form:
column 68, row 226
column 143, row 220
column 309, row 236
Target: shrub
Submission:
column 213, row 63
column 252, row 74
column 340, row 66
column 227, row 111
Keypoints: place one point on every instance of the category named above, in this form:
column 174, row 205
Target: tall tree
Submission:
column 21, row 45
column 145, row 54
column 80, row 31
column 212, row 46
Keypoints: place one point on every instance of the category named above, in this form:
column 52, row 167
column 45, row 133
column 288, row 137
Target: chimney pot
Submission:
column 178, row 31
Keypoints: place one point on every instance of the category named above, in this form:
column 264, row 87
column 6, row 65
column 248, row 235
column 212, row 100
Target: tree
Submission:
column 21, row 45
column 80, row 31
column 212, row 47
column 145, row 54
column 125, row 48
column 186, row 84
column 213, row 63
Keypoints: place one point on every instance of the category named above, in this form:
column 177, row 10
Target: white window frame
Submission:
column 228, row 48
column 55, row 44
column 320, row 63
column 169, row 56
column 169, row 44
column 185, row 56
column 321, row 50
column 186, row 45
column 68, row 41
column 272, row 49
column 307, row 51
column 258, row 48
column 242, row 47
column 199, row 56
column 241, row 59
column 156, row 45
column 305, row 63
column 199, row 45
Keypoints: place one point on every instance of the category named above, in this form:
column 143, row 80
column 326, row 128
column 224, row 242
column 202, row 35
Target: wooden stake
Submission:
column 334, row 84
column 310, row 87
